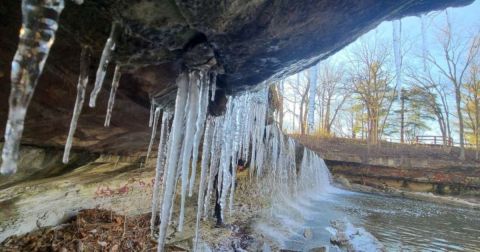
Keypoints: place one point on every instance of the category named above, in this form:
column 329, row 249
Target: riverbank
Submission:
column 468, row 202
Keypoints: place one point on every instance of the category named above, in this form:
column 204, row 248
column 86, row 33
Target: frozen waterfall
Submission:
column 243, row 132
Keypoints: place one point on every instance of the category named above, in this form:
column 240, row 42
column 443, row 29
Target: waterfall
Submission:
column 241, row 133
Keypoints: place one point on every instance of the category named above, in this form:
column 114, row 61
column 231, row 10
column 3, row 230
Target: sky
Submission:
column 462, row 19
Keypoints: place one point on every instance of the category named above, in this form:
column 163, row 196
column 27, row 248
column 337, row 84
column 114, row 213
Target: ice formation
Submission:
column 424, row 41
column 40, row 23
column 187, row 145
column 152, row 111
column 241, row 133
column 311, row 98
column 175, row 143
column 103, row 64
column 397, row 52
column 156, row 117
column 159, row 170
column 113, row 91
column 81, row 87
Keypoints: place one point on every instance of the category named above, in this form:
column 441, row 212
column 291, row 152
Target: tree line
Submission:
column 358, row 96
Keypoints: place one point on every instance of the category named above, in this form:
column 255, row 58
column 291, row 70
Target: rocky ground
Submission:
column 460, row 201
column 106, row 230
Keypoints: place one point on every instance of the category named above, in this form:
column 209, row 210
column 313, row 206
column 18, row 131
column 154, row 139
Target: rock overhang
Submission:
column 252, row 41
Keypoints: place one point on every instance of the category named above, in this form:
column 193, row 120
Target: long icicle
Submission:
column 159, row 170
column 85, row 58
column 188, row 144
column 172, row 158
column 200, row 124
column 40, row 23
column 104, row 61
column 207, row 143
column 152, row 111
column 111, row 100
column 154, row 132
column 397, row 52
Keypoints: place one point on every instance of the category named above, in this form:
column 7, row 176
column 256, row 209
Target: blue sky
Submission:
column 462, row 19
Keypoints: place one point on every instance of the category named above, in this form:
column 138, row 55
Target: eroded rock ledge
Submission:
column 253, row 41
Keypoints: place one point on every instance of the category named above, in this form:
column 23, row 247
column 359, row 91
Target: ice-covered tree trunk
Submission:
column 40, row 23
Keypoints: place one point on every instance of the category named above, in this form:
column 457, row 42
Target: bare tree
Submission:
column 457, row 54
column 472, row 104
column 372, row 83
column 332, row 92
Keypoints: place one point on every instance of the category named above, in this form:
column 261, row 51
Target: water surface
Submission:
column 400, row 224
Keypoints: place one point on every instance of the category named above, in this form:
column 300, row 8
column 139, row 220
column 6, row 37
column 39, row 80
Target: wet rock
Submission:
column 345, row 235
column 307, row 233
column 343, row 181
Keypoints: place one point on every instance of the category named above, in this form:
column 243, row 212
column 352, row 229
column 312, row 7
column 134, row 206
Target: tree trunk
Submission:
column 402, row 119
column 458, row 100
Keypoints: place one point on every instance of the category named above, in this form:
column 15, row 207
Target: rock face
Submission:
column 251, row 41
column 408, row 167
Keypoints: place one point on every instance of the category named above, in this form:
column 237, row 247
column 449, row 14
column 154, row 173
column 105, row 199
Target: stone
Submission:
column 319, row 249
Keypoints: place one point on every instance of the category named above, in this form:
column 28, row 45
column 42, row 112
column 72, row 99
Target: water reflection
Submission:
column 400, row 224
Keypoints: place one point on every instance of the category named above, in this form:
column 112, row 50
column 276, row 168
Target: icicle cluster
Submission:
column 241, row 133
column 40, row 23
column 104, row 62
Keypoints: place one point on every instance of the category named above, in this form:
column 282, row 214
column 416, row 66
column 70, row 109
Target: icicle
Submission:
column 200, row 122
column 192, row 108
column 397, row 44
column 81, row 87
column 215, row 159
column 172, row 158
column 113, row 91
column 159, row 169
column 152, row 112
column 103, row 65
column 424, row 41
column 225, row 158
column 214, row 86
column 40, row 23
column 207, row 143
column 311, row 99
column 154, row 132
